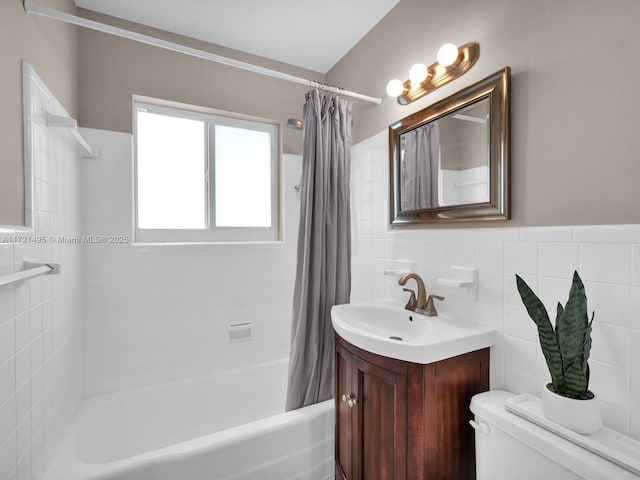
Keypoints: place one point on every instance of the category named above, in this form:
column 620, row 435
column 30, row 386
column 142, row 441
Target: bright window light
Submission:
column 171, row 168
column 205, row 177
column 242, row 177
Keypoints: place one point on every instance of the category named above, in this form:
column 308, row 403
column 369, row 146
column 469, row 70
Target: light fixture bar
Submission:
column 438, row 75
column 34, row 9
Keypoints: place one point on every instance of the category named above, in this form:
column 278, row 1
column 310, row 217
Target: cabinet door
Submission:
column 343, row 437
column 380, row 430
column 449, row 386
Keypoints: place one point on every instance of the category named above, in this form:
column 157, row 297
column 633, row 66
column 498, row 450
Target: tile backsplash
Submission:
column 607, row 258
column 40, row 319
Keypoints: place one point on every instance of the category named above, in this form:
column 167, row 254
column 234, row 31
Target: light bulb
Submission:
column 395, row 87
column 418, row 74
column 447, row 54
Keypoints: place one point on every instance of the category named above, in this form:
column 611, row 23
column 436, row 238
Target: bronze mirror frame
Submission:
column 497, row 88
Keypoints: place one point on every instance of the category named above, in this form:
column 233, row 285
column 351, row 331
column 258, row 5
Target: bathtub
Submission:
column 227, row 426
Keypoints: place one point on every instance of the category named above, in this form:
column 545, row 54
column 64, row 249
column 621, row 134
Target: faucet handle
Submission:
column 430, row 310
column 411, row 304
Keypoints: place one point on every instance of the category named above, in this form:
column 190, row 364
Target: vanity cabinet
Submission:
column 399, row 420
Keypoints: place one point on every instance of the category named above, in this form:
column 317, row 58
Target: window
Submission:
column 201, row 177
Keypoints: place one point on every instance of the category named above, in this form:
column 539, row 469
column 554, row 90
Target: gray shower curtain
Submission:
column 323, row 273
column 419, row 169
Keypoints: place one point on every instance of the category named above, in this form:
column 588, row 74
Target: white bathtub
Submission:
column 227, row 426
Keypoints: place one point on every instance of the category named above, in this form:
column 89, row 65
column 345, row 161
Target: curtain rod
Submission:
column 34, row 9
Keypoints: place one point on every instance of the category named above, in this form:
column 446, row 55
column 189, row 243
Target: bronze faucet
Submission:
column 419, row 304
column 430, row 310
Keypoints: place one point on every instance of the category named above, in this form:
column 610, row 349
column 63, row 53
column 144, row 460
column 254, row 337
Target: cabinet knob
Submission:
column 349, row 399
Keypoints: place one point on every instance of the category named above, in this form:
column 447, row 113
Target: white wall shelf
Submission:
column 461, row 277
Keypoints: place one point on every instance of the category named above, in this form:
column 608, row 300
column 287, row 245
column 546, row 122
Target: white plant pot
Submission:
column 581, row 416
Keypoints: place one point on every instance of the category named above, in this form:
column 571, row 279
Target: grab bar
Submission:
column 72, row 124
column 31, row 270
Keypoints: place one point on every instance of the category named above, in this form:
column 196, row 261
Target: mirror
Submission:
column 450, row 161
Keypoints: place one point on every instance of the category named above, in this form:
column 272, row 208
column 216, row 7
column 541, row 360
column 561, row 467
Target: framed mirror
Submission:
column 450, row 161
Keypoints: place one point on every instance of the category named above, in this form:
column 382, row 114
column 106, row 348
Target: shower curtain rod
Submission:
column 34, row 9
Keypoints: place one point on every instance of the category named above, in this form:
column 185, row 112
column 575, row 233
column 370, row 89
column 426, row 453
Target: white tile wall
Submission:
column 40, row 323
column 159, row 313
column 607, row 257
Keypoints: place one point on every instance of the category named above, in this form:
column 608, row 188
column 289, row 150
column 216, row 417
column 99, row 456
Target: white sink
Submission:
column 398, row 333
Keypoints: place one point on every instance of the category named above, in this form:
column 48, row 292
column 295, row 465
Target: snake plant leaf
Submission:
column 547, row 336
column 586, row 351
column 559, row 310
column 531, row 301
column 571, row 326
column 575, row 381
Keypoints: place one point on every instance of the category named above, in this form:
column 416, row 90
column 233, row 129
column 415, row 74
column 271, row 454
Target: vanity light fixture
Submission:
column 394, row 88
column 452, row 63
column 447, row 55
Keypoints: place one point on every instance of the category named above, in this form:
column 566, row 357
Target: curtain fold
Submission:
column 323, row 272
column 419, row 168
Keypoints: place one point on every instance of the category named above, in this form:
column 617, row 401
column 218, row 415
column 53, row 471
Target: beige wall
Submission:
column 51, row 48
column 113, row 69
column 575, row 107
column 575, row 104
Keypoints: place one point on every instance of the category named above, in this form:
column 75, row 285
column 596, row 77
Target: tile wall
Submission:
column 157, row 313
column 607, row 258
column 40, row 319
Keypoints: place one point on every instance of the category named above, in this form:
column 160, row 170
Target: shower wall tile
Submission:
column 635, row 351
column 634, row 398
column 606, row 256
column 611, row 303
column 490, row 256
column 634, row 427
column 158, row 313
column 623, row 234
column 607, row 263
column 37, row 392
column 521, row 382
column 547, row 234
column 556, row 259
column 635, row 266
column 7, row 340
column 521, row 257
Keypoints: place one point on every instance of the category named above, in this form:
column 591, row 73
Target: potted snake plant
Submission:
column 567, row 400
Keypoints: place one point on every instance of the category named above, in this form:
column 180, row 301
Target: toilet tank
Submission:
column 510, row 447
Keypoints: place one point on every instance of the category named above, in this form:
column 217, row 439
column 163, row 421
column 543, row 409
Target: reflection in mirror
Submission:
column 449, row 162
column 446, row 162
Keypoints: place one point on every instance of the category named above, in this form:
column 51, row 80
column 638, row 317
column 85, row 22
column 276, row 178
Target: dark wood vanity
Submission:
column 399, row 420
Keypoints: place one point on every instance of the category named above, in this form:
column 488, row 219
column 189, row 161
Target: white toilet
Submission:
column 509, row 447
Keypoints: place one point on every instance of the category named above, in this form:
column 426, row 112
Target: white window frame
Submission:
column 212, row 233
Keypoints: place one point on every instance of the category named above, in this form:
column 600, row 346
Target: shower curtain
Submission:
column 419, row 168
column 323, row 273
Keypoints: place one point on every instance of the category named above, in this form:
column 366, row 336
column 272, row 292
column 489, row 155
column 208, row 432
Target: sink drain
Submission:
column 393, row 337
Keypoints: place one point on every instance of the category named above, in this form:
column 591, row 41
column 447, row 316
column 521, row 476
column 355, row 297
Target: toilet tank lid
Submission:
column 490, row 407
column 491, row 403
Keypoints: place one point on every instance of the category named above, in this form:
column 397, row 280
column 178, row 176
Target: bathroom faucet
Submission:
column 430, row 310
column 421, row 304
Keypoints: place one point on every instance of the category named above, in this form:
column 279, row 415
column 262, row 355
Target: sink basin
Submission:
column 398, row 333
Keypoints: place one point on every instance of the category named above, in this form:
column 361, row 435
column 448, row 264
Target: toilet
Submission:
column 510, row 447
